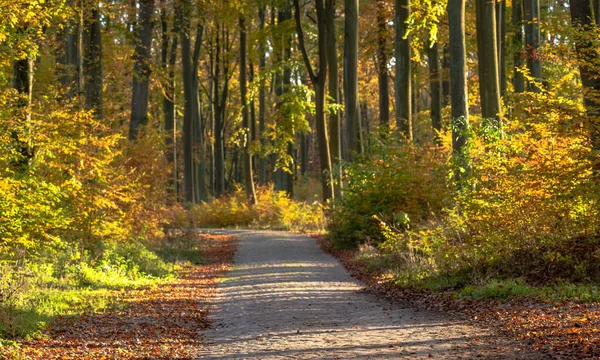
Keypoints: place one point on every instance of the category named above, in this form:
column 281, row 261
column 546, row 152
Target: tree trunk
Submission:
column 501, row 42
column 382, row 63
column 582, row 20
column 487, row 51
column 141, row 68
column 446, row 76
column 193, row 188
column 458, row 78
column 352, row 103
column 23, row 84
column 531, row 9
column 248, row 173
column 169, row 59
column 335, row 142
column 262, row 97
column 70, row 58
column 319, row 80
column 434, row 85
column 92, row 60
column 517, row 20
column 403, row 70
column 218, row 122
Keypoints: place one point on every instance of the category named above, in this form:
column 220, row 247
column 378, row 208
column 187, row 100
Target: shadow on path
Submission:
column 285, row 299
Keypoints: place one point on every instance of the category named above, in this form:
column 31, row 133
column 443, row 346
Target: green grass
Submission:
column 506, row 289
column 35, row 294
column 418, row 275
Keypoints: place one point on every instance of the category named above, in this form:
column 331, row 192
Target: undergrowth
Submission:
column 274, row 210
column 522, row 221
column 33, row 294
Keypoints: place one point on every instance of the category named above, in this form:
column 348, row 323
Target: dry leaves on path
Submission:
column 568, row 330
column 159, row 323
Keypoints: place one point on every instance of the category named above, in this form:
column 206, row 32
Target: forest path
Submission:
column 286, row 298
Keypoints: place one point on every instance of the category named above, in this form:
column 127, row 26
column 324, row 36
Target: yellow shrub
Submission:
column 274, row 210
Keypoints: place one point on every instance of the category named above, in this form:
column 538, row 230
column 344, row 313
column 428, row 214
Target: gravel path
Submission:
column 286, row 299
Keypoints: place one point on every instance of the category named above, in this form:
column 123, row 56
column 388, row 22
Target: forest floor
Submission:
column 286, row 298
column 561, row 330
column 160, row 322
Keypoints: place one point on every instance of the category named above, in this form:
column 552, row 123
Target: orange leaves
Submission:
column 159, row 323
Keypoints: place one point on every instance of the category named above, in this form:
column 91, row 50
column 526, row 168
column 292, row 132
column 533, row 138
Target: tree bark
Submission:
column 193, row 187
column 501, row 42
column 382, row 63
column 531, row 9
column 319, row 81
column 141, row 68
column 70, row 58
column 248, row 173
column 458, row 78
column 487, row 51
column 446, row 76
column 517, row 20
column 403, row 70
column 435, row 88
column 352, row 103
column 262, row 96
column 92, row 60
column 335, row 141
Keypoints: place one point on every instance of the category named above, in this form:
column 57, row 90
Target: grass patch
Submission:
column 405, row 270
column 33, row 295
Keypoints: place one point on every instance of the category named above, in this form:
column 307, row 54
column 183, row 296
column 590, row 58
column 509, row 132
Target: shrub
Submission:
column 398, row 182
column 527, row 207
column 274, row 210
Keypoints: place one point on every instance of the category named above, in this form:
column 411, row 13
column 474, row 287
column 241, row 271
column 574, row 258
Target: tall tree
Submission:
column 487, row 53
column 319, row 80
column 382, row 64
column 191, row 113
column 248, row 173
column 69, row 58
column 531, row 9
column 262, row 94
column 352, row 102
column 403, row 70
column 583, row 21
column 458, row 78
column 517, row 20
column 335, row 117
column 168, row 62
column 141, row 68
column 221, row 77
column 92, row 59
column 501, row 42
column 23, row 84
column 435, row 88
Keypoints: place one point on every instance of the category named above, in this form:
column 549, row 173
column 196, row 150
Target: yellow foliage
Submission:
column 274, row 210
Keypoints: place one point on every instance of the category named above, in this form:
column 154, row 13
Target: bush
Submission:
column 274, row 210
column 399, row 183
column 527, row 206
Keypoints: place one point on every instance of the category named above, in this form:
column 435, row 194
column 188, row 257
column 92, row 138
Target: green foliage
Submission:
column 526, row 207
column 33, row 293
column 398, row 183
column 274, row 210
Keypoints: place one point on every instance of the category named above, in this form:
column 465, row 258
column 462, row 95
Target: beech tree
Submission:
column 403, row 70
column 141, row 68
column 352, row 101
column 319, row 80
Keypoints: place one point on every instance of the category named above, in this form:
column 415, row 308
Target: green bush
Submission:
column 399, row 183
